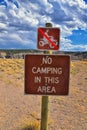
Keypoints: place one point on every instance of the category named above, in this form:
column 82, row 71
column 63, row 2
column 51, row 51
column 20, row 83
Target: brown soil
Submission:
column 65, row 112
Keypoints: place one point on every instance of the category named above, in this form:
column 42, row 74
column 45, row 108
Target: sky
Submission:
column 20, row 19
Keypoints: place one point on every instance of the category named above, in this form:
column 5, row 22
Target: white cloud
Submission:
column 65, row 31
column 18, row 18
column 3, row 26
column 15, row 37
column 13, row 13
column 48, row 6
column 71, row 47
column 3, row 16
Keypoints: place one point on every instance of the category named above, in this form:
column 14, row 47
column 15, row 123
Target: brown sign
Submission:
column 47, row 74
column 48, row 38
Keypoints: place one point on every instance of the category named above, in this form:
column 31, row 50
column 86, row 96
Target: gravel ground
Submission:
column 65, row 112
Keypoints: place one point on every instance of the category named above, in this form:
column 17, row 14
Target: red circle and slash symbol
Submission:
column 48, row 38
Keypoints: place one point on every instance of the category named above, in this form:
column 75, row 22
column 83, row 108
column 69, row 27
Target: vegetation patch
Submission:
column 31, row 125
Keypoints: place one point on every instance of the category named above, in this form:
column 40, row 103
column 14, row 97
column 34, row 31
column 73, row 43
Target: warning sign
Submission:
column 48, row 38
column 47, row 74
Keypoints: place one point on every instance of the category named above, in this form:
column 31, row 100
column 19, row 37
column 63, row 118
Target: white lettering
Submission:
column 37, row 79
column 52, row 80
column 46, row 89
column 39, row 89
column 53, row 90
column 47, row 60
column 47, row 70
column 60, row 70
column 34, row 70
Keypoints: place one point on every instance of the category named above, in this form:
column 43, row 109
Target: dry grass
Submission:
column 74, row 70
column 16, row 66
column 12, row 69
column 30, row 125
column 12, row 66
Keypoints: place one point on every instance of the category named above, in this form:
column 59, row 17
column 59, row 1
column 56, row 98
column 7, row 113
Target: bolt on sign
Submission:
column 47, row 74
column 48, row 38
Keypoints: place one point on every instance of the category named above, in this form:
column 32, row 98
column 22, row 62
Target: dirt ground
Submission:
column 65, row 112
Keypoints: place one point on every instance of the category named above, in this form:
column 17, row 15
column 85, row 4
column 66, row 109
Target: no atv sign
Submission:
column 48, row 38
column 47, row 74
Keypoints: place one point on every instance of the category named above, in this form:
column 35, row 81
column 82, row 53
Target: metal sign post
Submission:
column 45, row 102
column 45, row 106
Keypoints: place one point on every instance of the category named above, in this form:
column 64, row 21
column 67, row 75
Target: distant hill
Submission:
column 20, row 53
column 77, row 55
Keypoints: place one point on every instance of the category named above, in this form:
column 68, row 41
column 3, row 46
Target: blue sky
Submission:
column 19, row 20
